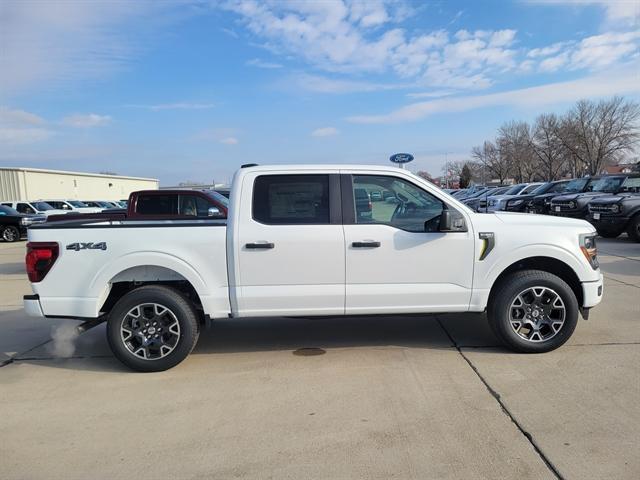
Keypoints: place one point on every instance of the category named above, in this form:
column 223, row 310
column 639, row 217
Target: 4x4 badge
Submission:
column 87, row 246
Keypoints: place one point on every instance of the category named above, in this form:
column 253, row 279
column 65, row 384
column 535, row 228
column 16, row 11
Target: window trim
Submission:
column 335, row 198
column 348, row 204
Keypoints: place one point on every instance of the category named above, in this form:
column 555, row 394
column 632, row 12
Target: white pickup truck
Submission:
column 298, row 242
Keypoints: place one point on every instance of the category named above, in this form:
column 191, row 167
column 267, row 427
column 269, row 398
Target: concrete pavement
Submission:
column 388, row 397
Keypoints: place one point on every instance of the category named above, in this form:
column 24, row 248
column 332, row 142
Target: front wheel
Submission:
column 633, row 230
column 10, row 234
column 152, row 328
column 533, row 311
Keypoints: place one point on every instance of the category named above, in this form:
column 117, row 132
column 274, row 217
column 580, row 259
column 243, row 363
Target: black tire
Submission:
column 179, row 319
column 10, row 234
column 608, row 233
column 633, row 229
column 499, row 311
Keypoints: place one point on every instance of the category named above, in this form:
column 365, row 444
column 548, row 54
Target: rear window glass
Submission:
column 291, row 199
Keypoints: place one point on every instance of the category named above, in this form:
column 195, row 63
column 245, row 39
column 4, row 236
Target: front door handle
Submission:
column 259, row 245
column 365, row 244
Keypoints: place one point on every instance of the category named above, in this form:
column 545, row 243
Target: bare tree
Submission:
column 547, row 145
column 490, row 157
column 514, row 144
column 600, row 133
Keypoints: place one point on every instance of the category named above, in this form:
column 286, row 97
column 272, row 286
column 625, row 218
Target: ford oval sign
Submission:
column 401, row 158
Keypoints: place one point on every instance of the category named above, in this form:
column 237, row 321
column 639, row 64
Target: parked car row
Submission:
column 611, row 203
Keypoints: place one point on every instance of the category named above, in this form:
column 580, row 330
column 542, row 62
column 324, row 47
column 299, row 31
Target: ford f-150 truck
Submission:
column 294, row 245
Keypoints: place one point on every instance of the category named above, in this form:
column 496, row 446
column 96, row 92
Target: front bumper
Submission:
column 32, row 306
column 592, row 292
column 609, row 222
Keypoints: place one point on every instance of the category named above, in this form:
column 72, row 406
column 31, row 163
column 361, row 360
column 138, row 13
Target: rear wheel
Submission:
column 10, row 234
column 152, row 328
column 533, row 311
column 633, row 230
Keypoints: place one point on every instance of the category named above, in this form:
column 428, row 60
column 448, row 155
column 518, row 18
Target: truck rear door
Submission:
column 289, row 244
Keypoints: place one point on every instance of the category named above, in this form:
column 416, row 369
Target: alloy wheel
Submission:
column 150, row 331
column 537, row 314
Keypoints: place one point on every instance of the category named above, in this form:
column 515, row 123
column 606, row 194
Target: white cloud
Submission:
column 432, row 94
column 616, row 11
column 174, row 106
column 325, row 132
column 601, row 51
column 18, row 127
column 618, row 82
column 363, row 37
column 322, row 84
column 256, row 62
column 546, row 51
column 229, row 141
column 86, row 120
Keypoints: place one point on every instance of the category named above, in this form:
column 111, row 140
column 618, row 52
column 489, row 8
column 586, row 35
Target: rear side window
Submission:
column 194, row 206
column 291, row 199
column 157, row 205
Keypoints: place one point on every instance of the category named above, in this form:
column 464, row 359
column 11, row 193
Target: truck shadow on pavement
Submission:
column 253, row 335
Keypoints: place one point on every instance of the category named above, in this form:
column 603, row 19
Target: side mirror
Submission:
column 451, row 223
column 445, row 221
column 214, row 212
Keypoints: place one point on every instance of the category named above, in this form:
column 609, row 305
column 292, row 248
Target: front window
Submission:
column 406, row 206
column 25, row 208
column 219, row 198
column 607, row 184
column 291, row 199
column 7, row 211
column 631, row 185
column 78, row 204
column 194, row 206
column 529, row 189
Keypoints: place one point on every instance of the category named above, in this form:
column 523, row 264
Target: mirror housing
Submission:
column 450, row 224
column 214, row 212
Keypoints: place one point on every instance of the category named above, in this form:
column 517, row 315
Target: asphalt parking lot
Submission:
column 395, row 397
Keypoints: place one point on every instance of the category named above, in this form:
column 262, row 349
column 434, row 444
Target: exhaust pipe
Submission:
column 89, row 324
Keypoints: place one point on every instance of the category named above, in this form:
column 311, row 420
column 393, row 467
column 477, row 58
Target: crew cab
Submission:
column 576, row 205
column 294, row 245
column 613, row 214
column 13, row 224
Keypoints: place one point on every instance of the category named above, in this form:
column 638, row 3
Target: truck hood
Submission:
column 528, row 219
column 603, row 199
column 575, row 196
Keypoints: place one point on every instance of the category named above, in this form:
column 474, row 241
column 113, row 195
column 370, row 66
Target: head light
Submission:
column 572, row 204
column 589, row 249
column 615, row 208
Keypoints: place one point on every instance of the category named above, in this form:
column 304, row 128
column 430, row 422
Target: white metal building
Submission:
column 36, row 183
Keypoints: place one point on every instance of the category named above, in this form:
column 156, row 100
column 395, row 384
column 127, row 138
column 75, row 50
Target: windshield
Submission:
column 42, row 206
column 78, row 204
column 541, row 188
column 498, row 191
column 606, row 185
column 515, row 189
column 530, row 189
column 8, row 211
column 577, row 185
column 218, row 197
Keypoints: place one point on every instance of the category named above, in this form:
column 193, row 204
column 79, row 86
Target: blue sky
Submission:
column 189, row 90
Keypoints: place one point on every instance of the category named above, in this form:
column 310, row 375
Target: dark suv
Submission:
column 613, row 214
column 576, row 205
column 521, row 202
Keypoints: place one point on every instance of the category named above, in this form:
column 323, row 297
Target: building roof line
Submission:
column 83, row 174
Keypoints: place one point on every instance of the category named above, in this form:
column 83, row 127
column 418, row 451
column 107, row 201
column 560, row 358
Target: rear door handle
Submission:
column 259, row 245
column 365, row 244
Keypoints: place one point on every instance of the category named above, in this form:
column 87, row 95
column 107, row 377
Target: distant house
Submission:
column 620, row 168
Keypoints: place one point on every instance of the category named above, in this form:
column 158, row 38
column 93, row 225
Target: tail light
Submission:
column 40, row 258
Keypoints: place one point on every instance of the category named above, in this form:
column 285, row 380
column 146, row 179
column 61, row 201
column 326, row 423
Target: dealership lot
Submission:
column 386, row 397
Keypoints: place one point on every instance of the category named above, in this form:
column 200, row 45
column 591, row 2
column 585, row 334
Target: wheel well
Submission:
column 136, row 277
column 545, row 264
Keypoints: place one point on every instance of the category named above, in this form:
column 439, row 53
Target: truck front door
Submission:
column 289, row 246
column 398, row 260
